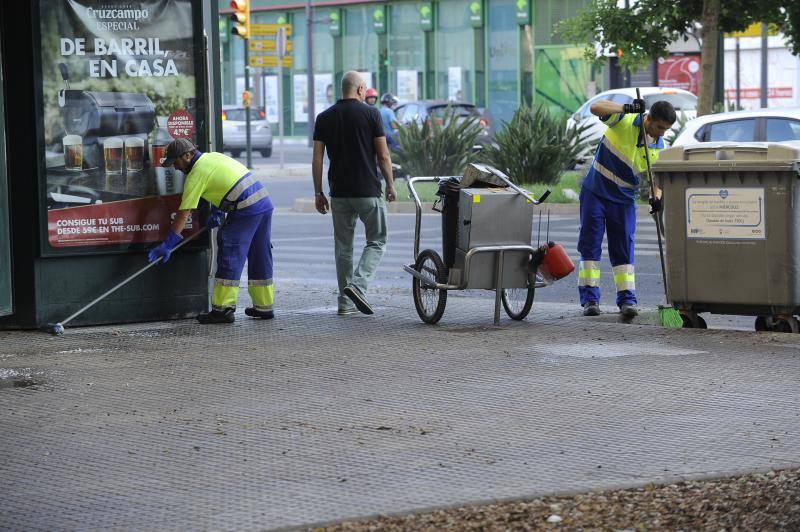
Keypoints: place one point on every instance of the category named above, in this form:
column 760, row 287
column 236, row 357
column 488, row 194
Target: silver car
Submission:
column 234, row 131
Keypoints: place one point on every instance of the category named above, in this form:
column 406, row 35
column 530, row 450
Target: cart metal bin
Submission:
column 732, row 229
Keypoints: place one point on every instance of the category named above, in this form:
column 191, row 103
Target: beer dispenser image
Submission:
column 113, row 125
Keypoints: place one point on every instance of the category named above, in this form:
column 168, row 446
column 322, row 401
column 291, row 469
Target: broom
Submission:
column 668, row 316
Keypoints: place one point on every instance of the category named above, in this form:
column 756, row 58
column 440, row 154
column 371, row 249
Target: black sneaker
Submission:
column 263, row 314
column 217, row 316
column 591, row 309
column 628, row 311
column 358, row 299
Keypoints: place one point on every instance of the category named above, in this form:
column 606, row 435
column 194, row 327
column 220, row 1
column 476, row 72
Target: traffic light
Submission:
column 241, row 18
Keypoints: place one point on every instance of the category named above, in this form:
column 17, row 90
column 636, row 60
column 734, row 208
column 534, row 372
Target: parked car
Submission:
column 759, row 125
column 684, row 102
column 421, row 110
column 234, row 131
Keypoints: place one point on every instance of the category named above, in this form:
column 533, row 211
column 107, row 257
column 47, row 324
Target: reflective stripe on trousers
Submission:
column 589, row 273
column 624, row 277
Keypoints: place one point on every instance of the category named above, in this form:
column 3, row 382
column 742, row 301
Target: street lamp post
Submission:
column 310, row 70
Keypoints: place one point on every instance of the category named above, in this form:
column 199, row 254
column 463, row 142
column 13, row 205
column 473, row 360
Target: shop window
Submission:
column 454, row 52
column 405, row 51
column 503, row 69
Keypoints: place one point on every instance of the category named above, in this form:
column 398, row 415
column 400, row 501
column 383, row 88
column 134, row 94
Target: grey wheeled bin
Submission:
column 732, row 227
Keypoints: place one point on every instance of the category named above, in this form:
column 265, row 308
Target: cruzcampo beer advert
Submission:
column 119, row 82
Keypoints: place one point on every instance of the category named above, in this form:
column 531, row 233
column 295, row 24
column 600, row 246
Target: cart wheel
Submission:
column 518, row 301
column 687, row 322
column 429, row 301
column 762, row 324
column 701, row 323
column 786, row 325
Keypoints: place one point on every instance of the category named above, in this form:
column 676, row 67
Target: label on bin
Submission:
column 725, row 213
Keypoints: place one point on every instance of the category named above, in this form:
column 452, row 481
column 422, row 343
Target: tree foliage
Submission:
column 644, row 30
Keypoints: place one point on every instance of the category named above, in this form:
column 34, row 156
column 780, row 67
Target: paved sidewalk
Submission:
column 316, row 418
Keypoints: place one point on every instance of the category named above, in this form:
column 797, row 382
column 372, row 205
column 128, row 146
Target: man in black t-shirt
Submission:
column 352, row 134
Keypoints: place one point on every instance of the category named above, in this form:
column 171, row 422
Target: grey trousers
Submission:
column 345, row 212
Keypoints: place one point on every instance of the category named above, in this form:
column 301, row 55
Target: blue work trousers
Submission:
column 240, row 239
column 618, row 222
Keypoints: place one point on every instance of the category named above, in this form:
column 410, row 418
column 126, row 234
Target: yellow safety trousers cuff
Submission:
column 224, row 296
column 263, row 296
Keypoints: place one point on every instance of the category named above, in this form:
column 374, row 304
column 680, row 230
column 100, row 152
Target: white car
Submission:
column 684, row 102
column 759, row 125
column 234, row 131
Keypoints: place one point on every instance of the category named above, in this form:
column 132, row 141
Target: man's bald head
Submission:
column 353, row 85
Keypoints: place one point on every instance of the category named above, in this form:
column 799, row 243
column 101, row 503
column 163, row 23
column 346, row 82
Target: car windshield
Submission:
column 458, row 110
column 681, row 102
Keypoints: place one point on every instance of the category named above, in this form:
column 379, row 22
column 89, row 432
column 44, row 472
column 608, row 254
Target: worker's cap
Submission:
column 175, row 149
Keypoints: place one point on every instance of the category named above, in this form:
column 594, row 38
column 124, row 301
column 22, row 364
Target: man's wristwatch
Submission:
column 319, row 193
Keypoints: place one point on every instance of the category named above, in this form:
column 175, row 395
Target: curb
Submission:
column 306, row 205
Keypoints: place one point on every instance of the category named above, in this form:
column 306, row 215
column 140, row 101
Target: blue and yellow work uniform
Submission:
column 608, row 204
column 245, row 235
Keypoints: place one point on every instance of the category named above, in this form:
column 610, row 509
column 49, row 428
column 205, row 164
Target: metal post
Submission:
column 498, row 286
column 280, row 104
column 247, row 107
column 310, row 71
column 764, row 57
column 738, row 76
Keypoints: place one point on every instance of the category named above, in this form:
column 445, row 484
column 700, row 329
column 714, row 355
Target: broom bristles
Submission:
column 670, row 317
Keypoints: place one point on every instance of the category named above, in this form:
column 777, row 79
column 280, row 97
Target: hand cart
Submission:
column 493, row 251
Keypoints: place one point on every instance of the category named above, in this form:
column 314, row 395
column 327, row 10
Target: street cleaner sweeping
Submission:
column 608, row 197
column 242, row 209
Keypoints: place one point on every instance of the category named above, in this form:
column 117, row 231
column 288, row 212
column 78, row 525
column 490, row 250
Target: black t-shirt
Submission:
column 347, row 129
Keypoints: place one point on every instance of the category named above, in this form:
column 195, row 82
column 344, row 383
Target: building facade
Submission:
column 497, row 54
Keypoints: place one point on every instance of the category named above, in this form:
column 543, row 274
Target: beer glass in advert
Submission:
column 73, row 153
column 112, row 155
column 134, row 154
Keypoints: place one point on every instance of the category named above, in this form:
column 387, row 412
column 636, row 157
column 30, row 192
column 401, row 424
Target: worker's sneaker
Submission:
column 346, row 311
column 591, row 309
column 217, row 316
column 263, row 314
column 358, row 299
column 628, row 311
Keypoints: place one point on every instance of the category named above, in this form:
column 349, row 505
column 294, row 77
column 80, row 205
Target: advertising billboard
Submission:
column 119, row 80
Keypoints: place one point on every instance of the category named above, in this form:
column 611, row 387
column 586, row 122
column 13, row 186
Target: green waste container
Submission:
column 732, row 228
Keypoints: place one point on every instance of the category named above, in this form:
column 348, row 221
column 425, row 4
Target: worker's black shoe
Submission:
column 591, row 309
column 628, row 311
column 358, row 299
column 263, row 314
column 217, row 316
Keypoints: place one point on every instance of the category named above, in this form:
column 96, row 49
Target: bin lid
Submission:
column 733, row 156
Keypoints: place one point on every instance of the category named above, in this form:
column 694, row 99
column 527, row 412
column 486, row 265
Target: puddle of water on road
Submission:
column 612, row 350
column 19, row 378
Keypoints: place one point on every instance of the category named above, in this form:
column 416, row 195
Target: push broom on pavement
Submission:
column 668, row 316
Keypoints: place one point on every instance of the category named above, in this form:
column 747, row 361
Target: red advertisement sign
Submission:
column 680, row 71
column 180, row 124
column 131, row 221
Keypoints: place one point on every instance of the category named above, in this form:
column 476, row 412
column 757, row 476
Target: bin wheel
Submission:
column 762, row 324
column 518, row 301
column 693, row 321
column 786, row 325
column 430, row 302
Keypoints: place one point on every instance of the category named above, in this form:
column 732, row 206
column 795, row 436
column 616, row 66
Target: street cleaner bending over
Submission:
column 608, row 197
column 245, row 235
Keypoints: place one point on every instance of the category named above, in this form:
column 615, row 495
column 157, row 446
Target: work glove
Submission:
column 164, row 248
column 655, row 205
column 215, row 218
column 636, row 107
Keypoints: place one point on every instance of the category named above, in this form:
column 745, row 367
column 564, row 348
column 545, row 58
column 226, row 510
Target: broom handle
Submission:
column 653, row 195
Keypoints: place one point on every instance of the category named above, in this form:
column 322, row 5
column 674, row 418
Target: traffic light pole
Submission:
column 247, row 107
